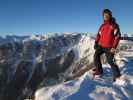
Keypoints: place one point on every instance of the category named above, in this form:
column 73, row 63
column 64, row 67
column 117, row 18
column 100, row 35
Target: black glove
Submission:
column 96, row 45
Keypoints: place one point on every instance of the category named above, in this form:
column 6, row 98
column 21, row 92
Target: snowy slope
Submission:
column 84, row 88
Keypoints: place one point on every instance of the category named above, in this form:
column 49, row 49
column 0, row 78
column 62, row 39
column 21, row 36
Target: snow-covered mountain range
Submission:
column 29, row 62
column 42, row 65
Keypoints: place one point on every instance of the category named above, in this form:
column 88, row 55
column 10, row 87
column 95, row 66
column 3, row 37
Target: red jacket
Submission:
column 108, row 35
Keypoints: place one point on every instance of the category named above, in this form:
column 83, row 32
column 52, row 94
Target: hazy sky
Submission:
column 42, row 16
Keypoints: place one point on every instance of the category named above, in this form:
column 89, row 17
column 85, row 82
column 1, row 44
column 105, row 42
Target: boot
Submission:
column 116, row 77
column 97, row 71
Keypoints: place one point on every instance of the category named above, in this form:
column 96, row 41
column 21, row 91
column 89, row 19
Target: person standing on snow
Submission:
column 106, row 42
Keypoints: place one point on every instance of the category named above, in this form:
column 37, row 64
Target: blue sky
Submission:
column 42, row 16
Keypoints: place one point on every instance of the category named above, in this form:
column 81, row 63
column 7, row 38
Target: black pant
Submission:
column 110, row 59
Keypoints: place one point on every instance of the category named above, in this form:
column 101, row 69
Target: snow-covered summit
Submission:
column 85, row 88
column 47, row 65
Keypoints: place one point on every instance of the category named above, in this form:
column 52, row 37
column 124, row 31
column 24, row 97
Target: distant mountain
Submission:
column 29, row 62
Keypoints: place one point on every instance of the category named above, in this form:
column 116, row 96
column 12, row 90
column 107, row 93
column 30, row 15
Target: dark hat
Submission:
column 107, row 11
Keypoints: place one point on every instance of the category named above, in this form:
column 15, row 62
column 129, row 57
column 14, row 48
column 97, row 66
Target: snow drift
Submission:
column 84, row 88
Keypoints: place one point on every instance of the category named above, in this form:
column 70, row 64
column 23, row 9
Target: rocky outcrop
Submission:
column 29, row 63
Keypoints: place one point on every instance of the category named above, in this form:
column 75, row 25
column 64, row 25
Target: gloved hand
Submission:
column 113, row 50
column 96, row 45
